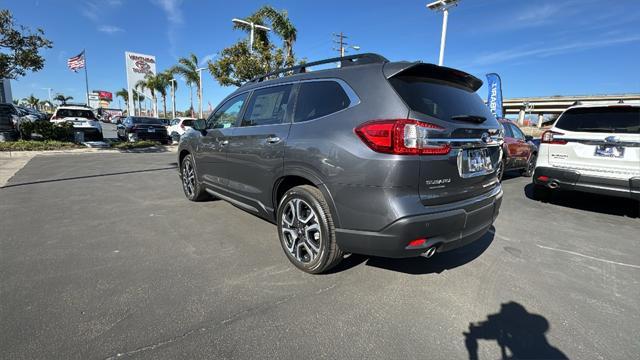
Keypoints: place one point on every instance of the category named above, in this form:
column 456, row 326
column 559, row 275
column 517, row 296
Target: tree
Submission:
column 32, row 101
column 163, row 81
column 281, row 25
column 62, row 99
column 150, row 83
column 188, row 69
column 237, row 64
column 124, row 94
column 19, row 48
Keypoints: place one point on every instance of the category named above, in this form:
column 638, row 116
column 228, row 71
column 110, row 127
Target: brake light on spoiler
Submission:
column 401, row 137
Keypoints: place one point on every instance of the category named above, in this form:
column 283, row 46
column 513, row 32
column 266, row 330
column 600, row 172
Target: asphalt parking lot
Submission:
column 102, row 257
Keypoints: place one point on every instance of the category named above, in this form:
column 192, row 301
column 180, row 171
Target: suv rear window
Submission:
column 319, row 98
column 438, row 99
column 147, row 120
column 614, row 119
column 75, row 113
column 187, row 123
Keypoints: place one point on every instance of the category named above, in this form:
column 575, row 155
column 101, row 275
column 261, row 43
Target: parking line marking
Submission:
column 589, row 257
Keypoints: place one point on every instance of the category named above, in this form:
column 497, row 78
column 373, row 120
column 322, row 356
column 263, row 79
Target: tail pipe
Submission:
column 553, row 185
column 430, row 252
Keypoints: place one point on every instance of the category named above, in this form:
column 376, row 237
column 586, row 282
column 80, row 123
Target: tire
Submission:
column 531, row 166
column 193, row 190
column 311, row 248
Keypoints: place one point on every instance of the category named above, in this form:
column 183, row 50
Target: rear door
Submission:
column 457, row 118
column 255, row 154
column 598, row 141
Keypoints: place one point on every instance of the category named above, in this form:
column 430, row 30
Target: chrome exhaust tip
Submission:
column 554, row 185
column 429, row 253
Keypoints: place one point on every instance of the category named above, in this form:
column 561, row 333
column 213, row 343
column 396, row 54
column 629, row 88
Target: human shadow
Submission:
column 421, row 266
column 519, row 333
column 589, row 202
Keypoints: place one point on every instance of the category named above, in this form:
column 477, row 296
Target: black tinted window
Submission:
column 439, row 99
column 146, row 120
column 267, row 106
column 88, row 114
column 319, row 98
column 620, row 119
column 187, row 123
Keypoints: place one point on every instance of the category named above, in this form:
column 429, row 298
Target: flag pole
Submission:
column 86, row 78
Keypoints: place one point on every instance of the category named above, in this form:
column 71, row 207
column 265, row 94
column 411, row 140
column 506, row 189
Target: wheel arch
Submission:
column 293, row 179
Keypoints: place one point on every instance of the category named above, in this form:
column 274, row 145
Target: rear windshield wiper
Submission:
column 471, row 118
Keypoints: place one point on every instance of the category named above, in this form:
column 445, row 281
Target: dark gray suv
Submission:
column 393, row 159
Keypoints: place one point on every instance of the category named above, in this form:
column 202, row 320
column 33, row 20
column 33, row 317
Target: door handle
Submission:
column 224, row 142
column 273, row 139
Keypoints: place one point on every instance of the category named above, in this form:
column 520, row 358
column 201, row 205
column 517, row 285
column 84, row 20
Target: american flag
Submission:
column 77, row 62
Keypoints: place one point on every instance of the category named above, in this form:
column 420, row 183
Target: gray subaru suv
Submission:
column 391, row 159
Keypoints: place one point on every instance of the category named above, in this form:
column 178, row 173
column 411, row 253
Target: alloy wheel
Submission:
column 301, row 233
column 188, row 179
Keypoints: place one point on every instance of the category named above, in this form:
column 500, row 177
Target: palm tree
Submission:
column 124, row 94
column 32, row 101
column 62, row 99
column 188, row 68
column 281, row 25
column 150, row 83
column 140, row 86
column 163, row 81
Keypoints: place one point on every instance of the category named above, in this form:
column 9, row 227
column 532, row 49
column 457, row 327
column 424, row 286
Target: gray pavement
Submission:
column 102, row 257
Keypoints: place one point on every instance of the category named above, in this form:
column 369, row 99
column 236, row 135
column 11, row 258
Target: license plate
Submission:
column 478, row 160
column 611, row 151
column 151, row 130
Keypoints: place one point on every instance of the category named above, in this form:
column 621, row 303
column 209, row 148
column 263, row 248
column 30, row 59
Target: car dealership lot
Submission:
column 101, row 255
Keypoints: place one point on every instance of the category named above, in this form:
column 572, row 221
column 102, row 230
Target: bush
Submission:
column 48, row 130
column 35, row 145
column 134, row 145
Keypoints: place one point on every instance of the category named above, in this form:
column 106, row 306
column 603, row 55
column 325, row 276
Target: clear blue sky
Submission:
column 539, row 47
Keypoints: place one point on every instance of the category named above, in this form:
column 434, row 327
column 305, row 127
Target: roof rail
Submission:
column 359, row 59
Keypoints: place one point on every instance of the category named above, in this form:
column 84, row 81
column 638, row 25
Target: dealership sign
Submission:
column 494, row 100
column 138, row 66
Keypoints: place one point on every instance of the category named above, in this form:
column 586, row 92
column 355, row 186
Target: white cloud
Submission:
column 544, row 50
column 109, row 29
column 173, row 13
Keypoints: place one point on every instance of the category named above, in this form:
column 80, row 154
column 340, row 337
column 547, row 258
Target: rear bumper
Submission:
column 447, row 230
column 574, row 181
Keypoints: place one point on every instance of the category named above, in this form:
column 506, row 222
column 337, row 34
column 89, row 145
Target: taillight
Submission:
column 401, row 136
column 548, row 137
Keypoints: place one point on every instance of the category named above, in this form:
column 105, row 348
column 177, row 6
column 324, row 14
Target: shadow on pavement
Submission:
column 519, row 333
column 590, row 202
column 421, row 266
column 87, row 177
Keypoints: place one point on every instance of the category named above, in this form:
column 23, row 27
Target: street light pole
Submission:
column 443, row 5
column 253, row 27
column 173, row 97
column 50, row 98
column 200, row 90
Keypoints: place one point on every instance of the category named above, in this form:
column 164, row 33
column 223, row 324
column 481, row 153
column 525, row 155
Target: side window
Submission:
column 319, row 98
column 507, row 130
column 267, row 106
column 517, row 133
column 227, row 115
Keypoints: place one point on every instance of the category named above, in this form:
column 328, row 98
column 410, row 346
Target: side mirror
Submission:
column 200, row 125
column 528, row 138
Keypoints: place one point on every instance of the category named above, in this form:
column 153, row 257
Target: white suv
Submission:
column 178, row 126
column 592, row 148
column 83, row 119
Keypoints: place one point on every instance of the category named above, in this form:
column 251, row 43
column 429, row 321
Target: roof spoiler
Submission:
column 433, row 72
